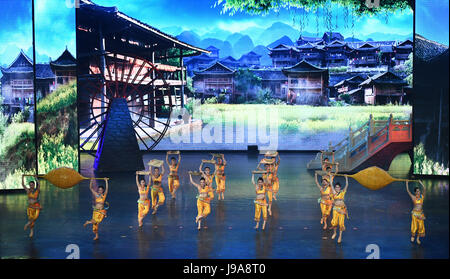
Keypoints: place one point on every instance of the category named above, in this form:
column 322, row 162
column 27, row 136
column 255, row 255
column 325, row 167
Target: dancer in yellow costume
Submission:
column 268, row 185
column 173, row 180
column 276, row 181
column 34, row 207
column 417, row 215
column 339, row 209
column 207, row 175
column 260, row 202
column 99, row 207
column 157, row 192
column 220, row 176
column 205, row 195
column 325, row 200
column 143, row 201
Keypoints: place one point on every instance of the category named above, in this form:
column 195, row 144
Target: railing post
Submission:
column 389, row 126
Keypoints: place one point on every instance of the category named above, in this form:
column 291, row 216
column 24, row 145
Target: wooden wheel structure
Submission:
column 141, row 83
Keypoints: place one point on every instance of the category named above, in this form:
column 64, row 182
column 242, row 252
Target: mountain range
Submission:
column 258, row 39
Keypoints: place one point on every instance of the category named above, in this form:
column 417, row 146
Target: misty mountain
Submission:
column 352, row 40
column 265, row 59
column 172, row 30
column 242, row 46
column 233, row 38
column 274, row 32
column 189, row 37
column 210, row 42
column 226, row 50
column 378, row 36
column 218, row 34
column 283, row 40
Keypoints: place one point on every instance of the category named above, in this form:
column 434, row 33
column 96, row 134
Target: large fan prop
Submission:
column 141, row 83
column 374, row 178
column 65, row 178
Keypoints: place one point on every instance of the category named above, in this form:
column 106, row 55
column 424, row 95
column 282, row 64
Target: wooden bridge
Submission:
column 375, row 143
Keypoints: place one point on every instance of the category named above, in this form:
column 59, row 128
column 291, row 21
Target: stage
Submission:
column 293, row 231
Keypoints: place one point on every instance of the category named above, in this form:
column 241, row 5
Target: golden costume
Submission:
column 326, row 205
column 276, row 182
column 143, row 206
column 417, row 221
column 98, row 214
column 339, row 213
column 268, row 185
column 33, row 209
column 203, row 201
column 173, row 180
column 220, row 177
column 157, row 192
column 260, row 205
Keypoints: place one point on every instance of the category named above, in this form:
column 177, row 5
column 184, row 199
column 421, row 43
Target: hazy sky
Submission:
column 432, row 20
column 202, row 16
column 55, row 22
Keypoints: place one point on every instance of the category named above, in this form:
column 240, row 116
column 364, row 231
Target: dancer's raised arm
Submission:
column 23, row 183
column 91, row 184
column 409, row 193
column 106, row 187
column 346, row 184
column 317, row 182
column 193, row 183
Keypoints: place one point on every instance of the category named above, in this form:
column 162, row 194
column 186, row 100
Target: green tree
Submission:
column 409, row 69
column 245, row 80
column 265, row 6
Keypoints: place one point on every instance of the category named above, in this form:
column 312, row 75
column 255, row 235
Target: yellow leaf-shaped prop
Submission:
column 374, row 178
column 64, row 177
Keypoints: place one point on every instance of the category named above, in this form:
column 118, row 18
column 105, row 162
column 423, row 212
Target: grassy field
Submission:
column 304, row 119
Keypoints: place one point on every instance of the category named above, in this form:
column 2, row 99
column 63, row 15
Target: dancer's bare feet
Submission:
column 325, row 225
column 418, row 241
column 26, row 226
column 339, row 239
column 31, row 233
column 96, row 236
column 334, row 235
column 270, row 211
column 140, row 223
column 257, row 225
column 264, row 225
column 412, row 238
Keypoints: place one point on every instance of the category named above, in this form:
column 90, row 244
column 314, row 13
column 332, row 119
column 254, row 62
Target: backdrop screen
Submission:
column 294, row 79
column 17, row 103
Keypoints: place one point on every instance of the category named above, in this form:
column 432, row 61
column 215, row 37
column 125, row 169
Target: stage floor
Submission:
column 293, row 231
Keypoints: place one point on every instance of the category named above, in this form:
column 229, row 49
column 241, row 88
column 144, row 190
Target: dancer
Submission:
column 143, row 201
column 339, row 209
column 205, row 195
column 268, row 182
column 173, row 180
column 206, row 173
column 99, row 210
column 417, row 215
column 260, row 201
column 276, row 181
column 326, row 161
column 34, row 207
column 219, row 172
column 157, row 192
column 325, row 200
